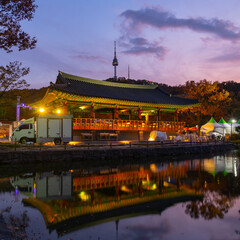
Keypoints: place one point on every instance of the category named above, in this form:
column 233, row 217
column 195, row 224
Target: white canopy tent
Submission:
column 212, row 126
column 227, row 126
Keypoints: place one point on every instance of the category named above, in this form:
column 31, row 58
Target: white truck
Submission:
column 47, row 128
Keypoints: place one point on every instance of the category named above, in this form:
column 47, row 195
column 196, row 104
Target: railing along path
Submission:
column 125, row 125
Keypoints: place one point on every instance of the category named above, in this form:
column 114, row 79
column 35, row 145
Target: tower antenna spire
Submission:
column 115, row 61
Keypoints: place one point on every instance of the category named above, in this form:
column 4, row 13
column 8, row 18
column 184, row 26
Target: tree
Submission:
column 212, row 98
column 12, row 12
column 11, row 77
column 213, row 205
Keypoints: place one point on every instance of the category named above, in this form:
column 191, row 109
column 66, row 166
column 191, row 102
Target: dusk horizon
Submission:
column 164, row 42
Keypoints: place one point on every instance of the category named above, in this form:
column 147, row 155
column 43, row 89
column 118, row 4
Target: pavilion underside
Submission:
column 95, row 108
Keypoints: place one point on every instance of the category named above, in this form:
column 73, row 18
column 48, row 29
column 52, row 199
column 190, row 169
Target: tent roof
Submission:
column 211, row 120
column 222, row 121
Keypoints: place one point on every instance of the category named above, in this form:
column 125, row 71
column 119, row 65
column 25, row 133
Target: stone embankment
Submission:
column 109, row 154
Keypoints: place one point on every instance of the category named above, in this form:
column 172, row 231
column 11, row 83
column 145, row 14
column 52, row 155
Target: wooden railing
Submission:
column 126, row 178
column 125, row 125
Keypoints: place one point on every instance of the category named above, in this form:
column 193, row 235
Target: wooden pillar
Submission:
column 140, row 188
column 64, row 108
column 92, row 196
column 113, row 113
column 130, row 114
column 117, row 191
column 146, row 118
column 92, row 113
column 176, row 116
column 159, row 115
column 116, row 116
column 176, row 120
column 139, row 114
column 160, row 185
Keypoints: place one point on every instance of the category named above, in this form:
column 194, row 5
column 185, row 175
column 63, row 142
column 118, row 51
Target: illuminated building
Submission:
column 111, row 107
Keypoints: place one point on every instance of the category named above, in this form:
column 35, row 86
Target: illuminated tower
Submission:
column 115, row 62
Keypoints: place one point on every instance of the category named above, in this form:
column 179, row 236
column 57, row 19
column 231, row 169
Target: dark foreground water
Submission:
column 174, row 199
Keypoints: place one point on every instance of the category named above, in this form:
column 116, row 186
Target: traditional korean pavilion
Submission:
column 109, row 108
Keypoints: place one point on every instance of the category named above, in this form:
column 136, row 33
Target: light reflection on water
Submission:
column 64, row 197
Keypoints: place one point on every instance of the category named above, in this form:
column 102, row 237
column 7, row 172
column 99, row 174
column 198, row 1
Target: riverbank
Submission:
column 104, row 154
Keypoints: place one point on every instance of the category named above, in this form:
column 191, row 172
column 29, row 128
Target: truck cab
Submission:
column 24, row 132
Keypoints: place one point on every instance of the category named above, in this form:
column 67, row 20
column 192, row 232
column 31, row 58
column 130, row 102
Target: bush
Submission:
column 235, row 136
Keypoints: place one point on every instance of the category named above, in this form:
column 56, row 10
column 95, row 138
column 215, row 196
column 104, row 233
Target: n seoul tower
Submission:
column 115, row 62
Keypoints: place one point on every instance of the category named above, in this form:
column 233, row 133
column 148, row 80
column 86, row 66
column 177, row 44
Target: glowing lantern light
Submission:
column 41, row 110
column 58, row 111
column 83, row 196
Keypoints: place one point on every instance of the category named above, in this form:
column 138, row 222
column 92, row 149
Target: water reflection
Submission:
column 78, row 198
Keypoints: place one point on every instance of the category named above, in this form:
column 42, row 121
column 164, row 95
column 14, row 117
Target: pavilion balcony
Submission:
column 125, row 125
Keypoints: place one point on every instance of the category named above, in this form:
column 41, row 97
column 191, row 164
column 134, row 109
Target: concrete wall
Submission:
column 94, row 155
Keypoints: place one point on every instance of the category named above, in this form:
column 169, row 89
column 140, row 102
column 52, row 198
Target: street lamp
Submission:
column 232, row 121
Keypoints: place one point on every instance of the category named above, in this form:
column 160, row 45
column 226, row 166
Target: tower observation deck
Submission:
column 115, row 62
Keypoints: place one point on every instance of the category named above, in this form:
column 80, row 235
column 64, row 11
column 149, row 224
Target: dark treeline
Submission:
column 230, row 86
column 8, row 102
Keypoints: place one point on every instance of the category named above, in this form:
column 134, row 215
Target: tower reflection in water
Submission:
column 78, row 198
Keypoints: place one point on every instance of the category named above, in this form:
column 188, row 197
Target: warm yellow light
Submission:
column 125, row 142
column 83, row 196
column 74, row 143
column 58, row 111
column 41, row 110
column 154, row 186
column 150, row 139
column 48, row 144
column 82, row 107
column 125, row 189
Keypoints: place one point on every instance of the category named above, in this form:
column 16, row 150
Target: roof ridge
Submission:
column 106, row 83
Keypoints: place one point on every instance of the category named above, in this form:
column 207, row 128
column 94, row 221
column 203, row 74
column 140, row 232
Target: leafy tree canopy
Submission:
column 211, row 97
column 11, row 77
column 12, row 12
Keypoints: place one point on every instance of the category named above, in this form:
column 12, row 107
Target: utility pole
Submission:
column 18, row 109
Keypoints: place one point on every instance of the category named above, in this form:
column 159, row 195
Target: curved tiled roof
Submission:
column 128, row 92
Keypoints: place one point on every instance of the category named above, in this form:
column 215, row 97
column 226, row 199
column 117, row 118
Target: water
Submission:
column 187, row 199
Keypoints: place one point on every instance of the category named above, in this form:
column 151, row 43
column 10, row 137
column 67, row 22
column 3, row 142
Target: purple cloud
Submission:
column 134, row 20
column 227, row 57
column 144, row 231
column 88, row 57
column 158, row 51
column 139, row 41
column 140, row 46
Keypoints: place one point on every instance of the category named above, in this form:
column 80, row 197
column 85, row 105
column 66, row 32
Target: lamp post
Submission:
column 232, row 121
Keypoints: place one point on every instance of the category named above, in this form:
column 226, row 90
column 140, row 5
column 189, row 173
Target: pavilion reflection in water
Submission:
column 75, row 199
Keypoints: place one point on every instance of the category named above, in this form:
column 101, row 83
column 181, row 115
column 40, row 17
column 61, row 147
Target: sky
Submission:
column 165, row 41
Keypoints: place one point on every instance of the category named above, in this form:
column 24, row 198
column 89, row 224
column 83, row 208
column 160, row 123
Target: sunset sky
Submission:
column 166, row 41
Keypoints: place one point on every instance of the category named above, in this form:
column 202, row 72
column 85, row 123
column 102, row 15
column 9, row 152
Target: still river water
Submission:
column 174, row 199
